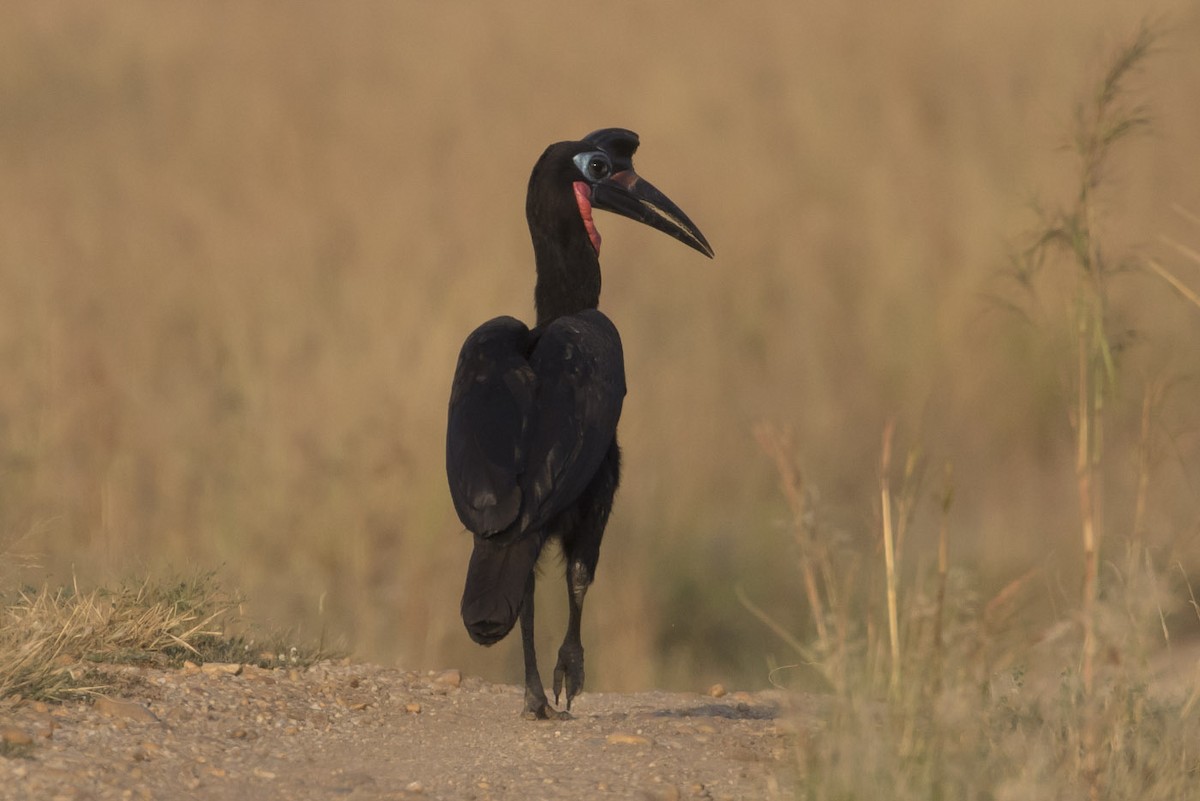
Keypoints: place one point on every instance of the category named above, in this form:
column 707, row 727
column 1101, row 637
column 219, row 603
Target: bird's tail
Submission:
column 496, row 579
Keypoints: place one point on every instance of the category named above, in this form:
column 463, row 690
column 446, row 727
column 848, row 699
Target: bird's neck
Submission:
column 568, row 277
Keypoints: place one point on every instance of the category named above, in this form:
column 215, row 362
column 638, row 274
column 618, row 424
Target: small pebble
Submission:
column 658, row 793
column 221, row 668
column 123, row 710
column 448, row 678
column 620, row 738
column 11, row 735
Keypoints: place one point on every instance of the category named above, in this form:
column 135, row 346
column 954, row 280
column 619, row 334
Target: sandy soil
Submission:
column 364, row 732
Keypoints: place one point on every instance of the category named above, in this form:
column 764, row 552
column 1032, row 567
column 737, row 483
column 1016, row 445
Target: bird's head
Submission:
column 597, row 173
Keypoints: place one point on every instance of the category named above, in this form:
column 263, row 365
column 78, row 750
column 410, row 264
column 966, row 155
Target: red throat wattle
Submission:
column 583, row 197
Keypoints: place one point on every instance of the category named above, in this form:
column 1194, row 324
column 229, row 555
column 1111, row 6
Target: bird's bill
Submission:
column 628, row 194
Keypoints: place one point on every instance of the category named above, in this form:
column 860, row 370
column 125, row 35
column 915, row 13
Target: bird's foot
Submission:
column 538, row 708
column 545, row 712
column 568, row 673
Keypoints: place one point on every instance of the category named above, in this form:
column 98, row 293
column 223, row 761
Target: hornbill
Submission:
column 531, row 448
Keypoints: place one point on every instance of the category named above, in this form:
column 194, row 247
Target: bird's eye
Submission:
column 595, row 166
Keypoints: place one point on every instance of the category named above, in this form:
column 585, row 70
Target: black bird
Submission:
column 531, row 448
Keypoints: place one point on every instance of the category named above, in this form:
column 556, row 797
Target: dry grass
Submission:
column 968, row 698
column 242, row 244
column 52, row 641
column 941, row 689
column 945, row 688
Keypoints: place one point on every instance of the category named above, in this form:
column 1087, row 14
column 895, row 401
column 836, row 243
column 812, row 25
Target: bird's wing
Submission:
column 490, row 404
column 529, row 428
column 581, row 386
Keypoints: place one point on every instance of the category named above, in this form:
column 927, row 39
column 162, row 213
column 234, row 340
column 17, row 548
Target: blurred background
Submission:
column 242, row 242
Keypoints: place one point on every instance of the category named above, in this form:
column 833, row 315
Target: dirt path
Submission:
column 363, row 732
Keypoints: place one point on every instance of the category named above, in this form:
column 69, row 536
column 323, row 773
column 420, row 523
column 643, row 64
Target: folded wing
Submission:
column 532, row 415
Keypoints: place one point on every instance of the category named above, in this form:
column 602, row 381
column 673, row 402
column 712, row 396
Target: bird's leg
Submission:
column 569, row 670
column 536, row 706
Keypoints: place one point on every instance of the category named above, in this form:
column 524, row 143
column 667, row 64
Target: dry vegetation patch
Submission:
column 57, row 643
column 942, row 688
